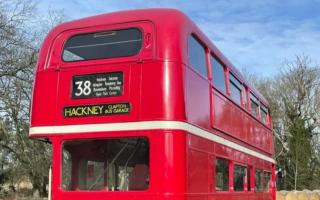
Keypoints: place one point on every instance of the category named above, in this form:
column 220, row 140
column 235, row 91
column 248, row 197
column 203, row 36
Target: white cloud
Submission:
column 264, row 46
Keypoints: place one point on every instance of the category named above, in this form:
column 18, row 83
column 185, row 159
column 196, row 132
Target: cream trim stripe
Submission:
column 145, row 125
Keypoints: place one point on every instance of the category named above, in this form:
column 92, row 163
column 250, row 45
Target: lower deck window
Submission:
column 257, row 180
column 239, row 177
column 110, row 165
column 266, row 181
column 222, row 174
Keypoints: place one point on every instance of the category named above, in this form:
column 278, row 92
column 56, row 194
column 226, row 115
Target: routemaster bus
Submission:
column 142, row 105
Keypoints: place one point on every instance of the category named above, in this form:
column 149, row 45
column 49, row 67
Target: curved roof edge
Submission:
column 156, row 15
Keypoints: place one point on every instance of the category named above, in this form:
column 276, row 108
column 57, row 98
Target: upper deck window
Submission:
column 218, row 75
column 244, row 96
column 197, row 56
column 264, row 113
column 235, row 87
column 106, row 44
column 254, row 105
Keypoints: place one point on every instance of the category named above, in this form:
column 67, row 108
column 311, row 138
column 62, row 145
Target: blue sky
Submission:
column 256, row 35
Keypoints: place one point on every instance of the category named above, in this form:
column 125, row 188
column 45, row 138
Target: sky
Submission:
column 258, row 36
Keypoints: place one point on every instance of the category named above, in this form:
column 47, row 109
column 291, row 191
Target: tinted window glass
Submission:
column 235, row 87
column 249, row 178
column 107, row 44
column 264, row 113
column 257, row 180
column 218, row 75
column 244, row 97
column 106, row 165
column 197, row 56
column 222, row 174
column 266, row 181
column 254, row 105
column 239, row 175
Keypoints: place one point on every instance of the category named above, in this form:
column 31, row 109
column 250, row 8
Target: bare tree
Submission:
column 19, row 45
column 293, row 95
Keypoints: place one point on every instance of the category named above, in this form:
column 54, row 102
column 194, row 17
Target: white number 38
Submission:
column 83, row 88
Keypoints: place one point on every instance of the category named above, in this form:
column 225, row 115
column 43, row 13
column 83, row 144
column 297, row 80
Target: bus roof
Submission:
column 158, row 16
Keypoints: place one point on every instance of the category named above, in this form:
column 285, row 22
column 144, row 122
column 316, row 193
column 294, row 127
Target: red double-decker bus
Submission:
column 141, row 105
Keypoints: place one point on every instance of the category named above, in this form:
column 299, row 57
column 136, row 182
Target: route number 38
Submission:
column 83, row 88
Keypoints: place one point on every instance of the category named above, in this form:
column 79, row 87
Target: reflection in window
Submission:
column 257, row 180
column 222, row 174
column 249, row 178
column 197, row 56
column 106, row 44
column 254, row 105
column 235, row 87
column 264, row 113
column 109, row 164
column 218, row 75
column 67, row 168
column 239, row 175
column 244, row 97
column 266, row 181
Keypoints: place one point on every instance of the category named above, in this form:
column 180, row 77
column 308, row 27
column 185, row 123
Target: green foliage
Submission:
column 300, row 153
column 294, row 99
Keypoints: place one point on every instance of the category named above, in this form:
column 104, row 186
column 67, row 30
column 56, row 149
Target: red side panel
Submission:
column 234, row 121
column 197, row 98
column 201, row 156
column 162, row 95
column 44, row 98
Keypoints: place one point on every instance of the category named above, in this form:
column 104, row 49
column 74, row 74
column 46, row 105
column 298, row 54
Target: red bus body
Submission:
column 188, row 122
